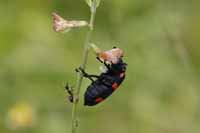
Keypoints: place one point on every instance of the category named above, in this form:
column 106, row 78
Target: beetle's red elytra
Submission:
column 99, row 99
column 115, row 86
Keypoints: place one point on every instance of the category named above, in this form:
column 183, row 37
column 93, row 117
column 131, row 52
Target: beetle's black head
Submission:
column 119, row 67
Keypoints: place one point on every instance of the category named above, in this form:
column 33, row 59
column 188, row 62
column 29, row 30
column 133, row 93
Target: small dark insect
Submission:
column 105, row 83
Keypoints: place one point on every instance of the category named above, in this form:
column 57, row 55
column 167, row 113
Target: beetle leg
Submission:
column 93, row 76
column 104, row 62
column 86, row 75
column 82, row 71
column 107, row 65
column 99, row 59
column 70, row 92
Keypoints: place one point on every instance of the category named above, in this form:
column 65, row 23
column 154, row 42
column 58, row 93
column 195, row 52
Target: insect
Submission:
column 104, row 84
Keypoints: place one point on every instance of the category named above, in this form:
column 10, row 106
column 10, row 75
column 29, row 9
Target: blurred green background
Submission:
column 161, row 42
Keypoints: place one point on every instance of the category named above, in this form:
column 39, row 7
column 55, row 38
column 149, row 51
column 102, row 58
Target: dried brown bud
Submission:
column 60, row 24
column 111, row 56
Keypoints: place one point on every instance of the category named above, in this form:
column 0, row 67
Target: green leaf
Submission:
column 93, row 2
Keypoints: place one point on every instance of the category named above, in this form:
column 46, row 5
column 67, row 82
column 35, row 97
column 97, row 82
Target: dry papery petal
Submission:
column 60, row 24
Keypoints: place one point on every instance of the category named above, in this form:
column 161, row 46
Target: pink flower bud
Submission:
column 60, row 24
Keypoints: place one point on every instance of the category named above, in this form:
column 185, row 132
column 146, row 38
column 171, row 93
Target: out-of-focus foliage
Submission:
column 161, row 42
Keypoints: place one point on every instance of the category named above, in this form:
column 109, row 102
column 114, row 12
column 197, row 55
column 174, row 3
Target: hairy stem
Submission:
column 83, row 66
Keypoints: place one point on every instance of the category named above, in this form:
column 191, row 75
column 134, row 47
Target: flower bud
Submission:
column 60, row 24
column 110, row 56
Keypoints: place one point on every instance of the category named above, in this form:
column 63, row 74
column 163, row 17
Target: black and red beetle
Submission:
column 107, row 82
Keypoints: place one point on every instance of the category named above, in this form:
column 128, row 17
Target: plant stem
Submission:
column 83, row 66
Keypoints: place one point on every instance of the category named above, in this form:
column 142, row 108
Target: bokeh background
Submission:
column 161, row 42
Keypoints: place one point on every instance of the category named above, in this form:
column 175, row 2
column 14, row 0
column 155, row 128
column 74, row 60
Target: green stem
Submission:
column 83, row 66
